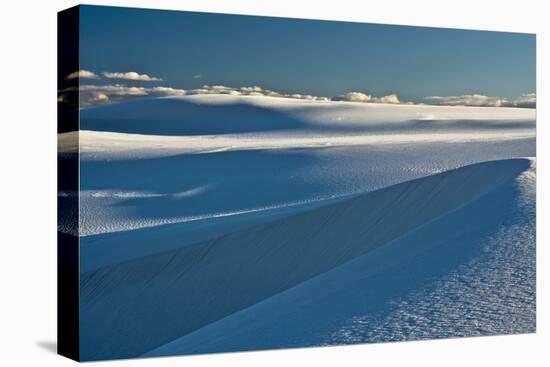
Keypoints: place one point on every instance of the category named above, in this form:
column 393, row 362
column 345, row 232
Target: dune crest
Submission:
column 180, row 291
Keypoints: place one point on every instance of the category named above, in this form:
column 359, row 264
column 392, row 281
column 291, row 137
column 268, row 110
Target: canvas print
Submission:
column 231, row 183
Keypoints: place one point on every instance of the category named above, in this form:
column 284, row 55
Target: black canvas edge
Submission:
column 68, row 288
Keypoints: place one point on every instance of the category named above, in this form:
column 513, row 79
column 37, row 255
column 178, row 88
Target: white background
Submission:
column 28, row 182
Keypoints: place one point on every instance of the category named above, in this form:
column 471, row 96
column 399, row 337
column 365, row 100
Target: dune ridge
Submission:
column 442, row 279
column 180, row 291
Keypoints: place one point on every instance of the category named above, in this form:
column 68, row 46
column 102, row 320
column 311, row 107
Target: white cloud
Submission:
column 91, row 95
column 131, row 75
column 251, row 91
column 97, row 98
column 355, row 97
column 367, row 98
column 116, row 89
column 466, row 100
column 526, row 100
column 166, row 91
column 84, row 74
column 392, row 99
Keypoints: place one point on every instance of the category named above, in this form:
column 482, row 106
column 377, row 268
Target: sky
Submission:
column 323, row 58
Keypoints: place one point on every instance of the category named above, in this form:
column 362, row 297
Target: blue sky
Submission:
column 188, row 50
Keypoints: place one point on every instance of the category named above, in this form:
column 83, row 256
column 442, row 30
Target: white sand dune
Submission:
column 222, row 114
column 442, row 279
column 259, row 154
column 206, row 124
column 182, row 291
column 236, row 223
column 109, row 145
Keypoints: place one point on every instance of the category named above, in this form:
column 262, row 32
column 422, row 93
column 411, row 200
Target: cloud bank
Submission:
column 92, row 95
column 131, row 75
column 527, row 101
column 363, row 97
column 252, row 91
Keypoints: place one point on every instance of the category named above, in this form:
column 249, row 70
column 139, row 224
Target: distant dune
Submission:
column 222, row 114
column 185, row 116
column 183, row 291
column 197, row 159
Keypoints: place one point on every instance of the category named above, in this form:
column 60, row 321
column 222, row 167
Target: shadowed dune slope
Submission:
column 136, row 306
column 176, row 116
column 469, row 272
